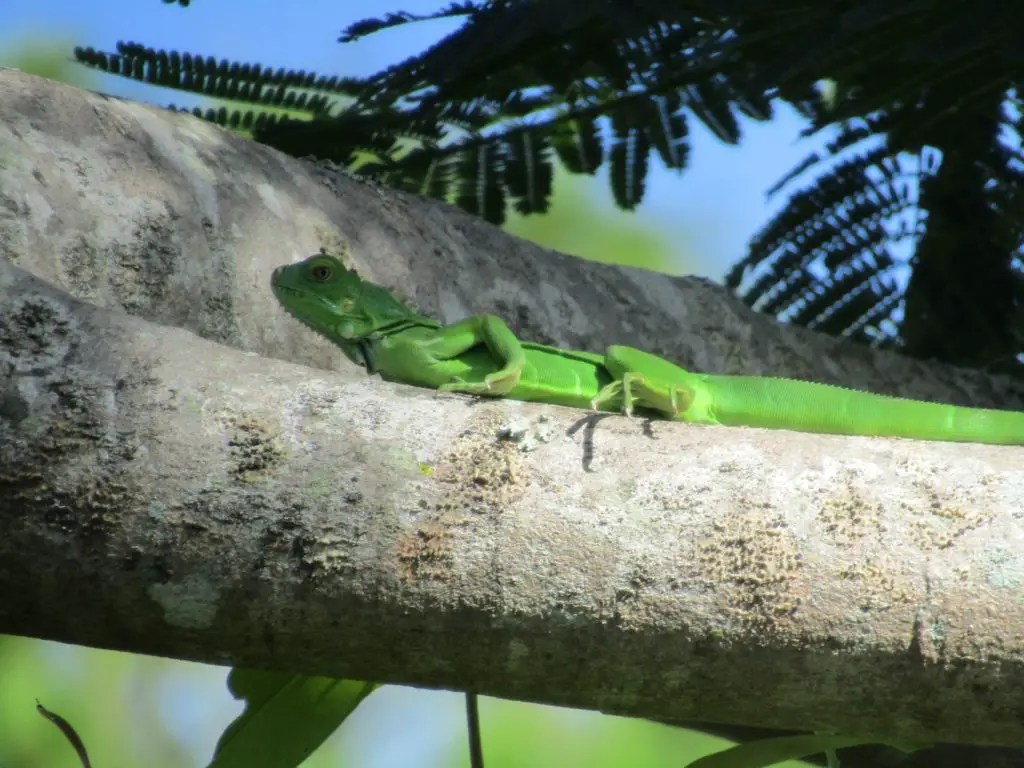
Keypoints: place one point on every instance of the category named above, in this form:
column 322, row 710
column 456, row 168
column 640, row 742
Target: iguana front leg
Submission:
column 646, row 380
column 452, row 340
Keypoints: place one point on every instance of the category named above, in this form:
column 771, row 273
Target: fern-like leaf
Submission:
column 290, row 89
column 668, row 130
column 629, row 153
column 528, row 171
column 480, row 182
column 578, row 144
column 364, row 27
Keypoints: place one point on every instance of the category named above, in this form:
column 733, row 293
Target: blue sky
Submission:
column 714, row 206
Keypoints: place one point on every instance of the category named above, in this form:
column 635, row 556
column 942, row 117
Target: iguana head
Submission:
column 333, row 300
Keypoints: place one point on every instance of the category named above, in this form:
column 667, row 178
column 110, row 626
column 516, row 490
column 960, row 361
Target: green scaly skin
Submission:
column 481, row 356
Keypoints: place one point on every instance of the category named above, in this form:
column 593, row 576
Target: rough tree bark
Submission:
column 171, row 494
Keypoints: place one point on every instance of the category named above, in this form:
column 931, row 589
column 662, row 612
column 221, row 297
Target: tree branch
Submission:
column 166, row 494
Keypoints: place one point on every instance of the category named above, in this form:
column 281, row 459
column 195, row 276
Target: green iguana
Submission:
column 481, row 356
column 288, row 716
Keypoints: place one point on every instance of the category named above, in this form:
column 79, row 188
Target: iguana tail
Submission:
column 755, row 401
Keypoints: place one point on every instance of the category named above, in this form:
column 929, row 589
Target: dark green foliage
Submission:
column 906, row 237
column 940, row 182
column 578, row 144
column 220, row 79
column 528, row 172
column 630, row 145
column 286, row 717
column 369, row 26
column 490, row 101
column 826, row 255
column 476, row 190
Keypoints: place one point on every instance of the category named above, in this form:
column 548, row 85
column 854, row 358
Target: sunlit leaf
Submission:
column 766, row 752
column 286, row 717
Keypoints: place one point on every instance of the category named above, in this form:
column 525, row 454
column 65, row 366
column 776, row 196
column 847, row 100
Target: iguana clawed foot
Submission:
column 622, row 388
column 494, row 384
column 637, row 389
column 609, row 392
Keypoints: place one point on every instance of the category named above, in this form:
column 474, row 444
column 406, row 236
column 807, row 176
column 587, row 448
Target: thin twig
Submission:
column 476, row 749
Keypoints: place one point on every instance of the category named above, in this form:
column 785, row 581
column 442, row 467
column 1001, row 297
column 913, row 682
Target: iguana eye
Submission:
column 321, row 272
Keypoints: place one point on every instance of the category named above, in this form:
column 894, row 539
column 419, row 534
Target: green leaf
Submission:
column 528, row 172
column 578, row 144
column 765, row 752
column 629, row 155
column 668, row 130
column 480, row 184
column 286, row 717
column 69, row 733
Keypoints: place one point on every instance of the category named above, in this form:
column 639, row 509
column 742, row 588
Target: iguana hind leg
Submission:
column 648, row 381
column 503, row 345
